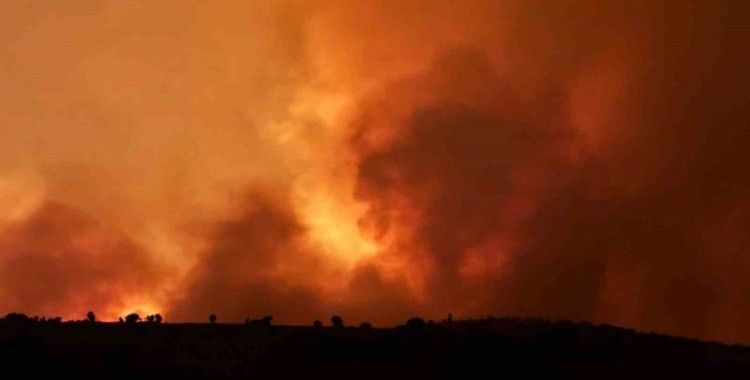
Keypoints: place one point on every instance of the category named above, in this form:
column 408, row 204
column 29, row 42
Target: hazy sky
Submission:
column 378, row 159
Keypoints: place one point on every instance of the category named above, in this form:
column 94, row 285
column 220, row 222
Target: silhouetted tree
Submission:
column 317, row 324
column 266, row 321
column 212, row 319
column 337, row 321
column 150, row 318
column 415, row 323
column 158, row 318
column 91, row 317
column 132, row 318
column 17, row 317
column 121, row 320
column 56, row 320
column 365, row 326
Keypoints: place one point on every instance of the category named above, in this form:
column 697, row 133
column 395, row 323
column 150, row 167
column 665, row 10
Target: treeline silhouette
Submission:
column 132, row 318
column 514, row 348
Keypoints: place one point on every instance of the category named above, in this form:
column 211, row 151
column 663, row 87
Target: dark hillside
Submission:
column 491, row 348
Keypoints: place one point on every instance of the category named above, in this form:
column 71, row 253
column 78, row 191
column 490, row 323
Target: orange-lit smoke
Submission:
column 378, row 159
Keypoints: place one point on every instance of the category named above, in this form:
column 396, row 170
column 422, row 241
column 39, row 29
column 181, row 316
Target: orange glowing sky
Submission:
column 378, row 159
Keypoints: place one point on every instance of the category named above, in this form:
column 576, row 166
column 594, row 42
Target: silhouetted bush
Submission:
column 132, row 318
column 150, row 318
column 317, row 323
column 415, row 323
column 158, row 318
column 265, row 321
column 212, row 319
column 337, row 321
column 91, row 317
column 365, row 326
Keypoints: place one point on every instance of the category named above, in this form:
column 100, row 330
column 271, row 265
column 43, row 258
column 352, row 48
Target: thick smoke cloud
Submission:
column 457, row 176
column 146, row 118
column 261, row 261
column 566, row 221
column 248, row 268
column 61, row 262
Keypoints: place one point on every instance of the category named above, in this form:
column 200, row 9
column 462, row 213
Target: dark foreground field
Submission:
column 503, row 349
